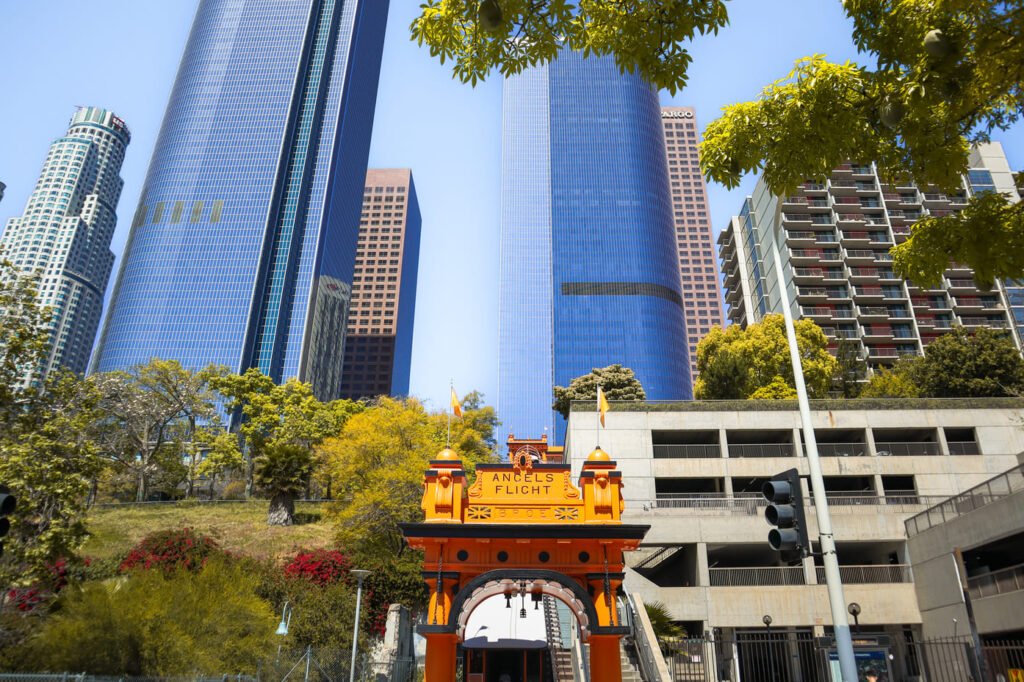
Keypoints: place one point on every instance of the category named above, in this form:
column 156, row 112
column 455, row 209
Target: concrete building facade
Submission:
column 378, row 347
column 698, row 261
column 65, row 232
column 694, row 472
column 834, row 238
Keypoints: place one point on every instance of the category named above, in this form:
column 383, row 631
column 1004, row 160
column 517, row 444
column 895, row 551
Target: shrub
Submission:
column 156, row 624
column 234, row 490
column 169, row 550
column 319, row 566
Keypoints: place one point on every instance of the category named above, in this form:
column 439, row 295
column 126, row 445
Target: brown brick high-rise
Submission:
column 379, row 345
column 698, row 263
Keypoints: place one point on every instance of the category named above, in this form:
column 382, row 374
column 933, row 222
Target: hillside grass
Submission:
column 239, row 527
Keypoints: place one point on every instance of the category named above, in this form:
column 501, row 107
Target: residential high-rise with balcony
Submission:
column 243, row 244
column 378, row 349
column 834, row 237
column 64, row 234
column 698, row 262
column 589, row 275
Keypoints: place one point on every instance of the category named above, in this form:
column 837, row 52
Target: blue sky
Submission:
column 123, row 55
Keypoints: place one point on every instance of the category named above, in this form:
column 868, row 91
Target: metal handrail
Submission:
column 687, row 451
column 752, row 503
column 871, row 574
column 842, row 449
column 1003, row 581
column 742, row 450
column 896, row 449
column 996, row 488
column 759, row 576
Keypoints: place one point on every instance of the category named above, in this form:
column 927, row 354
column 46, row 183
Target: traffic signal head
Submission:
column 785, row 512
column 7, row 505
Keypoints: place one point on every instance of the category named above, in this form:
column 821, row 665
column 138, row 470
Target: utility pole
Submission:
column 833, row 581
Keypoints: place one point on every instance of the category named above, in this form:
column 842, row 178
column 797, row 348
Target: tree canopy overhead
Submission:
column 937, row 75
column 616, row 382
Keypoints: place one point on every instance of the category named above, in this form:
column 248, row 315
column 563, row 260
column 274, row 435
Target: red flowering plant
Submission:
column 320, row 566
column 26, row 599
column 170, row 550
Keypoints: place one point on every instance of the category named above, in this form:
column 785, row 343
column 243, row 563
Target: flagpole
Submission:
column 598, row 411
column 451, row 389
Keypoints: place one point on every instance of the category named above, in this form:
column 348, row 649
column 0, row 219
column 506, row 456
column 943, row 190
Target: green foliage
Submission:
column 171, row 550
column 851, row 369
column 661, row 622
column 281, row 424
column 988, row 235
column 49, row 462
column 616, row 382
column 897, row 382
column 210, row 621
column 377, row 464
column 964, row 365
column 754, row 362
column 24, row 336
column 510, row 35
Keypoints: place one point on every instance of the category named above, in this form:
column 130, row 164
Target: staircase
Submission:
column 630, row 669
column 561, row 658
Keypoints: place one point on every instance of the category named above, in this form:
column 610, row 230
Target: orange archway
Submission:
column 523, row 527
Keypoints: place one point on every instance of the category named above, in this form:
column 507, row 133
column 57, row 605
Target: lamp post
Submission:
column 360, row 576
column 826, row 540
column 282, row 628
column 854, row 609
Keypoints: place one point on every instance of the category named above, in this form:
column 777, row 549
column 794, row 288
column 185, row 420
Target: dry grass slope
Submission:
column 238, row 527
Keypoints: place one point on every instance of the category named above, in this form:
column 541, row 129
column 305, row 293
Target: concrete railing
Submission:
column 753, row 503
column 994, row 489
column 760, row 576
column 1003, row 581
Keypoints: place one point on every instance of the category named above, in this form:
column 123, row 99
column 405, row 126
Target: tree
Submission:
column 479, row 36
column 851, row 369
column 24, row 336
column 280, row 426
column 960, row 364
column 737, row 363
column 617, row 383
column 377, row 464
column 665, row 629
column 940, row 75
column 221, row 455
column 209, row 621
column 897, row 382
column 143, row 413
column 48, row 459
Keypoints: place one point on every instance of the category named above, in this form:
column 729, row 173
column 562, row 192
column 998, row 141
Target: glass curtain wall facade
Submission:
column 64, row 234
column 589, row 275
column 243, row 244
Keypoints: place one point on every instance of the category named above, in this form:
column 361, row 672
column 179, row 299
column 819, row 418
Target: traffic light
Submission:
column 786, row 512
column 7, row 504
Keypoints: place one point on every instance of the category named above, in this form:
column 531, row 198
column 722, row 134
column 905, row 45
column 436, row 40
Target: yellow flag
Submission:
column 456, row 405
column 602, row 404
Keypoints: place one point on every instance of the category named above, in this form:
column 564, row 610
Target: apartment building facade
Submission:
column 694, row 471
column 698, row 262
column 834, row 238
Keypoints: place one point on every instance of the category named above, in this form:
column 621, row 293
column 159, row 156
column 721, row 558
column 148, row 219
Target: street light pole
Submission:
column 360, row 576
column 833, row 581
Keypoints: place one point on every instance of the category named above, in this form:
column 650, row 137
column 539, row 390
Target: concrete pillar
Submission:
column 723, row 443
column 605, row 661
column 798, row 443
column 879, row 488
column 810, row 574
column 440, row 663
column 943, row 445
column 703, row 572
column 869, row 438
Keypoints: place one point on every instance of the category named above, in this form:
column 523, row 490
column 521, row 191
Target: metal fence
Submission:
column 781, row 655
column 870, row 575
column 1003, row 581
column 759, row 576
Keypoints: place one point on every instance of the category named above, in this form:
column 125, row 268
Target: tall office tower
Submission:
column 990, row 172
column 588, row 267
column 378, row 350
column 2, row 188
column 835, row 238
column 66, row 229
column 243, row 244
column 698, row 264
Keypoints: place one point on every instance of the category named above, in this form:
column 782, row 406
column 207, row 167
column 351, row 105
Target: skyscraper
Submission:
column 379, row 346
column 834, row 238
column 243, row 243
column 698, row 262
column 589, row 274
column 66, row 229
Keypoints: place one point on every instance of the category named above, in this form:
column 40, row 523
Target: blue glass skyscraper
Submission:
column 243, row 244
column 588, row 251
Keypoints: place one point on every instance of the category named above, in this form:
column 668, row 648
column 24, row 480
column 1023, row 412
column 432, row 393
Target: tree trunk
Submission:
column 250, row 472
column 143, row 487
column 94, row 486
column 282, row 510
column 213, row 480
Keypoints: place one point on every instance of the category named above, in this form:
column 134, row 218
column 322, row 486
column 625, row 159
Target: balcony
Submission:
column 877, row 333
column 874, row 311
column 816, row 293
column 800, row 237
column 861, row 254
column 854, row 239
column 803, row 274
column 813, row 255
column 978, row 303
column 749, row 505
column 962, row 285
column 992, row 323
column 861, row 170
column 863, row 292
column 746, row 450
column 918, row 449
column 967, row 447
column 814, row 187
column 882, row 354
column 816, row 312
column 761, row 576
column 687, row 451
column 870, row 575
column 1003, row 581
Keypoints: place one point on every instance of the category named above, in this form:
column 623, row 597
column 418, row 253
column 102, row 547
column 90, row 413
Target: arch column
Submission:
column 441, row 656
column 605, row 661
